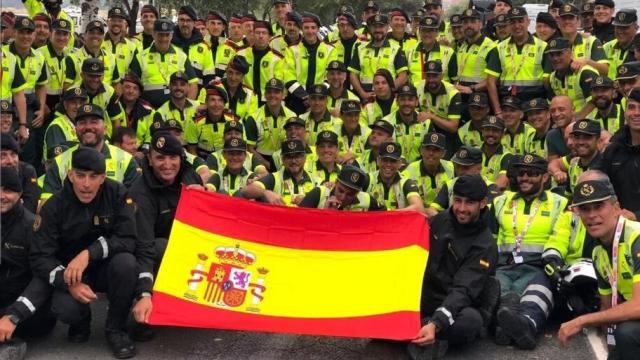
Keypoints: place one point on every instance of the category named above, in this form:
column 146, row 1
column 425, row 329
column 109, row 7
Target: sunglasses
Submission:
column 529, row 172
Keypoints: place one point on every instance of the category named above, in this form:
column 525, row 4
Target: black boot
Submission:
column 434, row 351
column 81, row 331
column 121, row 345
column 517, row 327
column 142, row 332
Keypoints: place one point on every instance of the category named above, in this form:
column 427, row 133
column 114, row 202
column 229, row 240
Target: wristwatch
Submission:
column 15, row 320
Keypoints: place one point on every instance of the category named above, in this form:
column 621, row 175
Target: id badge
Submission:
column 517, row 258
column 611, row 339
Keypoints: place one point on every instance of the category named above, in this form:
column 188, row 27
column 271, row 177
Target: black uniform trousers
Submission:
column 117, row 277
column 627, row 336
column 465, row 329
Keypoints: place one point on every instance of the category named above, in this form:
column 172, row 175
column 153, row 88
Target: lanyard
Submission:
column 465, row 51
column 514, row 223
column 613, row 276
column 516, row 68
column 162, row 70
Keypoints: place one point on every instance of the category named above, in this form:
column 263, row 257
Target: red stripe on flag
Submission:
column 298, row 228
column 402, row 325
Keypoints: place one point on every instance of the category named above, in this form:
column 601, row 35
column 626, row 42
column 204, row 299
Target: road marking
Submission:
column 597, row 345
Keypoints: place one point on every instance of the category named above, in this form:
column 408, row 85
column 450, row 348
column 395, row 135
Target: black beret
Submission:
column 216, row 15
column 148, row 8
column 607, row 3
column 133, row 78
column 10, row 180
column 310, row 17
column 166, row 144
column 472, row 187
column 352, row 177
column 546, row 18
column 350, row 18
column 8, row 142
column 218, row 90
column 88, row 159
column 399, row 12
column 634, row 94
column 239, row 63
column 188, row 10
column 295, row 17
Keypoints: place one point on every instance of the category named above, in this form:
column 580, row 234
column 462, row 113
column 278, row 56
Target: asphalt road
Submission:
column 185, row 343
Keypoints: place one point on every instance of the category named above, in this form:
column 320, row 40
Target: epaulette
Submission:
column 145, row 104
column 276, row 52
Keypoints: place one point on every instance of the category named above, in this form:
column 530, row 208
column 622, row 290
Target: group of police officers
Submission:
column 521, row 149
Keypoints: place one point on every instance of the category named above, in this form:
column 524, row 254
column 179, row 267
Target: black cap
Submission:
column 336, row 65
column 239, row 63
column 535, row 104
column 6, row 107
column 556, row 4
column 434, row 139
column 24, row 23
column 163, row 25
column 456, row 20
column 407, row 89
column 87, row 110
column 293, row 146
column 472, row 187
column 166, row 144
column 433, row 67
column 479, row 99
column 54, row 151
column 318, row 90
column 591, row 191
column 10, row 180
column 517, row 12
column 371, row 5
column 471, row 14
column 429, row 22
column 634, row 95
column 75, row 93
column 494, row 122
column 234, row 144
column 467, row 156
column 188, row 10
column 532, row 161
column 569, row 10
column 378, row 19
column 233, row 125
column 625, row 17
column 165, row 125
column 352, row 177
column 8, row 142
column 178, row 75
column 558, row 44
column 502, row 20
column 607, row 3
column 327, row 136
column 274, row 84
column 294, row 120
column 546, row 18
column 587, row 8
column 93, row 66
column 61, row 25
column 602, row 82
column 383, row 125
column 586, row 126
column 511, row 102
column 628, row 70
column 117, row 12
column 391, row 150
column 94, row 24
column 349, row 106
column 88, row 159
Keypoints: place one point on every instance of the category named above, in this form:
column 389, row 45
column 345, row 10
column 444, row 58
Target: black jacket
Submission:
column 20, row 293
column 461, row 259
column 156, row 205
column 621, row 161
column 68, row 227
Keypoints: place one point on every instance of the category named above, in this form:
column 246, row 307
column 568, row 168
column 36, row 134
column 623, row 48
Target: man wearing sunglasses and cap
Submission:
column 617, row 263
column 347, row 194
column 525, row 222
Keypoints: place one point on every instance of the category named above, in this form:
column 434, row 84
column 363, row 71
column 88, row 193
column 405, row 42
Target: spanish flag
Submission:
column 240, row 265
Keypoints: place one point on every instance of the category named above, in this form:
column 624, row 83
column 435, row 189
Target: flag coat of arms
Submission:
column 240, row 265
